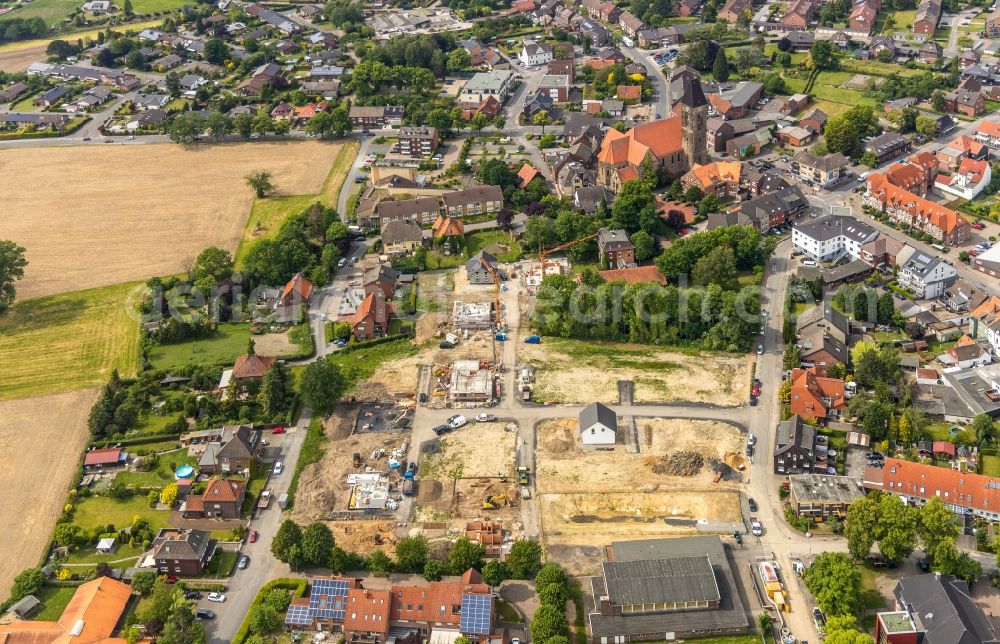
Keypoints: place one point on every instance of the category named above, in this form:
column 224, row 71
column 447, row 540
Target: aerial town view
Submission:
column 500, row 321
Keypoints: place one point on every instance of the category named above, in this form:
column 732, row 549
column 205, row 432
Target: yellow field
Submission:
column 99, row 215
column 68, row 341
column 44, row 438
column 16, row 56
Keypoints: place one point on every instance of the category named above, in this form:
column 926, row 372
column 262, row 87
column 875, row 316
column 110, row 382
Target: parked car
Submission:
column 422, row 398
column 278, row 467
column 447, row 345
column 760, row 349
column 751, row 439
column 204, row 613
column 277, row 430
column 753, row 401
column 192, row 594
column 253, row 536
column 756, row 527
column 216, row 597
column 244, row 562
column 485, row 418
column 443, row 429
column 458, row 420
column 752, row 504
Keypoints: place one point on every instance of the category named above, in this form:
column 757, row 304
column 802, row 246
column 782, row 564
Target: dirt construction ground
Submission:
column 153, row 207
column 48, row 434
column 478, row 449
column 629, row 495
column 579, row 372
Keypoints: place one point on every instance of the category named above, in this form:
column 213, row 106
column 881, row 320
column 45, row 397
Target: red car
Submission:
column 756, row 391
column 682, row 232
column 253, row 536
column 979, row 225
column 278, row 430
column 171, row 579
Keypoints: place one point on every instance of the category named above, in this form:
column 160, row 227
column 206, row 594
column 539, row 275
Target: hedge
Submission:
column 356, row 346
column 136, row 440
column 298, row 588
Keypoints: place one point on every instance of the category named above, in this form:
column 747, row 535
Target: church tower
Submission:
column 694, row 122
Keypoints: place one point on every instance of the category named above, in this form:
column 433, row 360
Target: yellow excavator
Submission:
column 494, row 501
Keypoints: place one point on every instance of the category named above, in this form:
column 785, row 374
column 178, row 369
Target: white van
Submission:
column 809, row 262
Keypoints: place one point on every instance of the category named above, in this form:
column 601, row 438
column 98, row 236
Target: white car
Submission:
column 216, row 597
column 278, row 467
column 485, row 418
column 751, row 440
column 756, row 528
column 457, row 421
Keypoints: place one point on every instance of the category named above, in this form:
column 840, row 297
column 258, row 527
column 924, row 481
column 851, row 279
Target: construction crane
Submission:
column 545, row 252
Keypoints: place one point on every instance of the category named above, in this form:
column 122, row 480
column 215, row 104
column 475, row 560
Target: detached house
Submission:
column 598, row 425
column 630, row 24
column 401, row 237
column 614, row 247
column 182, row 553
column 965, row 354
column 250, row 367
column 222, row 499
column 229, row 449
column 372, row 318
column 928, row 277
column 296, row 294
column 814, row 396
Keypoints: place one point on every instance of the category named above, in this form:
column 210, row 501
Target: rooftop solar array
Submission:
column 476, row 614
column 298, row 616
column 328, row 599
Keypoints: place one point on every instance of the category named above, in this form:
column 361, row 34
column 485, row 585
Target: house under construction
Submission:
column 472, row 317
column 471, row 381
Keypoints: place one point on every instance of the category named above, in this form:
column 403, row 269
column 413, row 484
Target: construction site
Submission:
column 685, row 480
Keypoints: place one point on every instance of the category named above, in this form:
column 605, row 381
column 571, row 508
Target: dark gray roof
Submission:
column 793, row 432
column 784, row 201
column 478, row 260
column 679, row 579
column 181, row 544
column 691, row 93
column 597, row 413
column 825, row 312
column 941, row 603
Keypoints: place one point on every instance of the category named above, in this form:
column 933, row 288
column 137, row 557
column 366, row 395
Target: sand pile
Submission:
column 683, row 463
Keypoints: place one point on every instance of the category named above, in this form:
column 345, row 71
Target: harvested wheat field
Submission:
column 683, row 454
column 111, row 214
column 48, row 434
column 476, row 450
column 581, row 372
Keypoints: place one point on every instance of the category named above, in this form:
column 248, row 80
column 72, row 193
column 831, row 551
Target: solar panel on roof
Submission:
column 477, row 612
column 298, row 616
column 328, row 599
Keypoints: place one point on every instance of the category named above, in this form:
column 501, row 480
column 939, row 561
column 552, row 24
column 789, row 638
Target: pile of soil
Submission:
column 429, row 325
column 429, row 490
column 728, row 473
column 679, row 464
column 433, row 446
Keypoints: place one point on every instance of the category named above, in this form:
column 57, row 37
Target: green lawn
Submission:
column 51, row 11
column 904, row 19
column 54, row 600
column 154, row 424
column 507, row 612
column 991, row 465
column 230, row 341
column 870, row 597
column 67, row 341
column 360, row 364
column 162, row 474
column 102, row 510
column 89, row 555
column 222, row 564
column 495, row 242
column 939, row 431
column 157, row 6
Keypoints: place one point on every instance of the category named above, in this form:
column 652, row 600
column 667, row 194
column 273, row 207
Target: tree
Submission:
column 633, row 203
column 505, row 219
column 60, row 49
column 937, row 524
column 784, row 44
column 645, row 245
column 218, row 125
column 717, row 267
column 886, row 308
column 478, row 122
column 938, row 101
column 860, row 305
column 243, row 123
column 841, row 136
column 542, row 118
column 550, row 574
column 274, row 390
column 842, row 629
column 289, row 535
column 379, row 563
column 28, row 582
column 465, row 554
column 873, row 364
column 765, row 621
column 539, row 232
column 181, row 627
column 185, row 127
column 823, row 55
column 260, row 181
column 983, row 426
column 884, row 519
column 321, row 385
column 553, row 595
column 434, row 570
column 264, row 620
column 835, row 583
column 214, row 262
column 216, row 51
column 65, row 533
column 458, row 60
column 142, row 581
column 720, row 68
column 926, row 125
column 411, row 554
column 494, row 572
column 548, row 621
column 693, row 195
column 869, row 159
column 792, row 357
column 317, row 544
column 168, row 495
column 708, row 205
column 127, row 10
column 525, row 559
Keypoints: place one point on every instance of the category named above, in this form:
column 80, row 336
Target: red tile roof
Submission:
column 96, row 606
column 813, row 396
column 964, row 489
column 629, row 92
column 251, row 367
column 368, row 610
column 299, row 285
column 918, row 207
column 943, row 447
column 225, row 490
column 102, row 457
column 526, row 174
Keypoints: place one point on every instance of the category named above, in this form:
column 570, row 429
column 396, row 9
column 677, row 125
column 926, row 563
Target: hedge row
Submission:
column 298, row 588
column 136, row 440
column 357, row 346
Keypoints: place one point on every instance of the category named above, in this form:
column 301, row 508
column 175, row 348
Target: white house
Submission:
column 926, row 276
column 97, row 6
column 832, row 237
column 968, row 181
column 533, row 53
column 598, row 425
